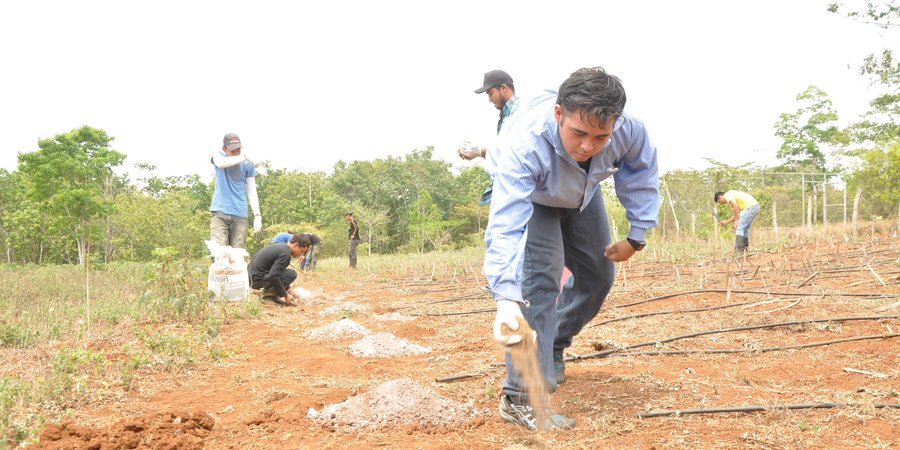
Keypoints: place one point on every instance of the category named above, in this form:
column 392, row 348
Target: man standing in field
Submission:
column 744, row 208
column 353, row 232
column 498, row 86
column 235, row 184
column 547, row 211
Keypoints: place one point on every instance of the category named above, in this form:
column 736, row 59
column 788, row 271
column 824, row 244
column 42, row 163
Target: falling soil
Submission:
column 397, row 402
column 386, row 344
column 525, row 360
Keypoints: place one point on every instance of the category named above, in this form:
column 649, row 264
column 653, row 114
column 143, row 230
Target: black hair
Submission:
column 594, row 93
column 717, row 195
column 301, row 240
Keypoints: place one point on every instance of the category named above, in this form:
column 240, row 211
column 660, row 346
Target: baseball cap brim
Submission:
column 482, row 89
column 232, row 147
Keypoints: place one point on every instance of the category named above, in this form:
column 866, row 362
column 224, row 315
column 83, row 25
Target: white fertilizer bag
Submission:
column 228, row 273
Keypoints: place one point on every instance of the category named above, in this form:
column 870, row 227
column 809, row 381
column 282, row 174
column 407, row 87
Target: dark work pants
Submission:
column 557, row 237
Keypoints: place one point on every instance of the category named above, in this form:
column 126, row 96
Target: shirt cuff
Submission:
column 636, row 233
column 508, row 292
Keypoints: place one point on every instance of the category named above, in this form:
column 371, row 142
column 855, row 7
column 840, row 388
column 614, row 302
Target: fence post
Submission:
column 802, row 199
column 809, row 212
column 775, row 219
column 845, row 203
column 672, row 206
column 694, row 225
column 824, row 200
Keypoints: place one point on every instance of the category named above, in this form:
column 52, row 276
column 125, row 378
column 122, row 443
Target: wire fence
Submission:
column 787, row 200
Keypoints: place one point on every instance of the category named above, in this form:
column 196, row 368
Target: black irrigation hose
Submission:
column 730, row 409
column 679, row 311
column 742, row 291
column 685, row 352
column 760, row 350
column 727, row 330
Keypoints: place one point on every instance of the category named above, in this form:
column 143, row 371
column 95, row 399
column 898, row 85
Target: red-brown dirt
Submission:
column 259, row 397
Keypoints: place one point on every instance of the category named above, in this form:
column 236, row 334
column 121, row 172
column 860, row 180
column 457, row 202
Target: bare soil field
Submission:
column 799, row 346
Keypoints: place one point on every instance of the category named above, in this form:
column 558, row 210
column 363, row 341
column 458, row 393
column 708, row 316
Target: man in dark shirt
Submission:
column 269, row 269
column 353, row 232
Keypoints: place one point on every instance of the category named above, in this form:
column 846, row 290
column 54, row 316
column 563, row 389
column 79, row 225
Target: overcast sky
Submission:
column 306, row 84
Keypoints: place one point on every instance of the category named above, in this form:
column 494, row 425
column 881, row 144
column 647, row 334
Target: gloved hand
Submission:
column 468, row 151
column 508, row 313
column 257, row 223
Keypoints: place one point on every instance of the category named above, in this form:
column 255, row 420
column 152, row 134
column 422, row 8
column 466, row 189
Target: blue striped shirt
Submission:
column 531, row 165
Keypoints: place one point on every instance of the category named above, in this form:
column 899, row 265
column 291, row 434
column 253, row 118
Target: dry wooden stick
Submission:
column 871, row 374
column 875, row 274
column 680, row 412
column 808, row 279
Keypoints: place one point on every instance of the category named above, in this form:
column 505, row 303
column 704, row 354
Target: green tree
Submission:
column 878, row 175
column 808, row 132
column 884, row 15
column 68, row 177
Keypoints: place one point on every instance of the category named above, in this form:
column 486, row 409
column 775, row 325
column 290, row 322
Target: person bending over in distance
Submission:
column 744, row 209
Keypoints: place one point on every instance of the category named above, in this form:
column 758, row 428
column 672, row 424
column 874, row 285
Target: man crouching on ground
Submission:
column 269, row 269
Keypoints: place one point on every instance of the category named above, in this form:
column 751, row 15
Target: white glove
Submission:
column 468, row 151
column 508, row 313
column 257, row 223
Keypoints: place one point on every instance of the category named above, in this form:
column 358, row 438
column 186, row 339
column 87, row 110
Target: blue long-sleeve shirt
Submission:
column 531, row 165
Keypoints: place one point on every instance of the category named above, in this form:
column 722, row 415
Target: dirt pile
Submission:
column 168, row 430
column 394, row 316
column 342, row 307
column 386, row 344
column 340, row 329
column 401, row 402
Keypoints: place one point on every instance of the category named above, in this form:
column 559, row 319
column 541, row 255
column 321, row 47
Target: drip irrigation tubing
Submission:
column 622, row 350
column 753, row 350
column 731, row 409
column 678, row 311
column 743, row 291
column 729, row 330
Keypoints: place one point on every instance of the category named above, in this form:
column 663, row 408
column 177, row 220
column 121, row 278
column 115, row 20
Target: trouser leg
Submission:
column 541, row 271
column 218, row 228
column 585, row 237
column 237, row 232
column 351, row 251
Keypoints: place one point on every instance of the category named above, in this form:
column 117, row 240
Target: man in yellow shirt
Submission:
column 744, row 209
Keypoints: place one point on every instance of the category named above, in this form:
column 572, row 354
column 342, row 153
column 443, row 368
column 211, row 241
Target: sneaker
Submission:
column 515, row 411
column 559, row 365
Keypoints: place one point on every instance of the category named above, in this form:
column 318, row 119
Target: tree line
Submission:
column 65, row 203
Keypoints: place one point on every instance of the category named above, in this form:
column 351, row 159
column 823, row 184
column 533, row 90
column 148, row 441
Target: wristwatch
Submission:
column 637, row 245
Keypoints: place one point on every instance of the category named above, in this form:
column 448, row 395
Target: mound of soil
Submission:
column 394, row 316
column 386, row 344
column 401, row 402
column 340, row 329
column 170, row 430
column 339, row 308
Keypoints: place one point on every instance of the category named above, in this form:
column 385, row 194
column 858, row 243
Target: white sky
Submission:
column 306, row 84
